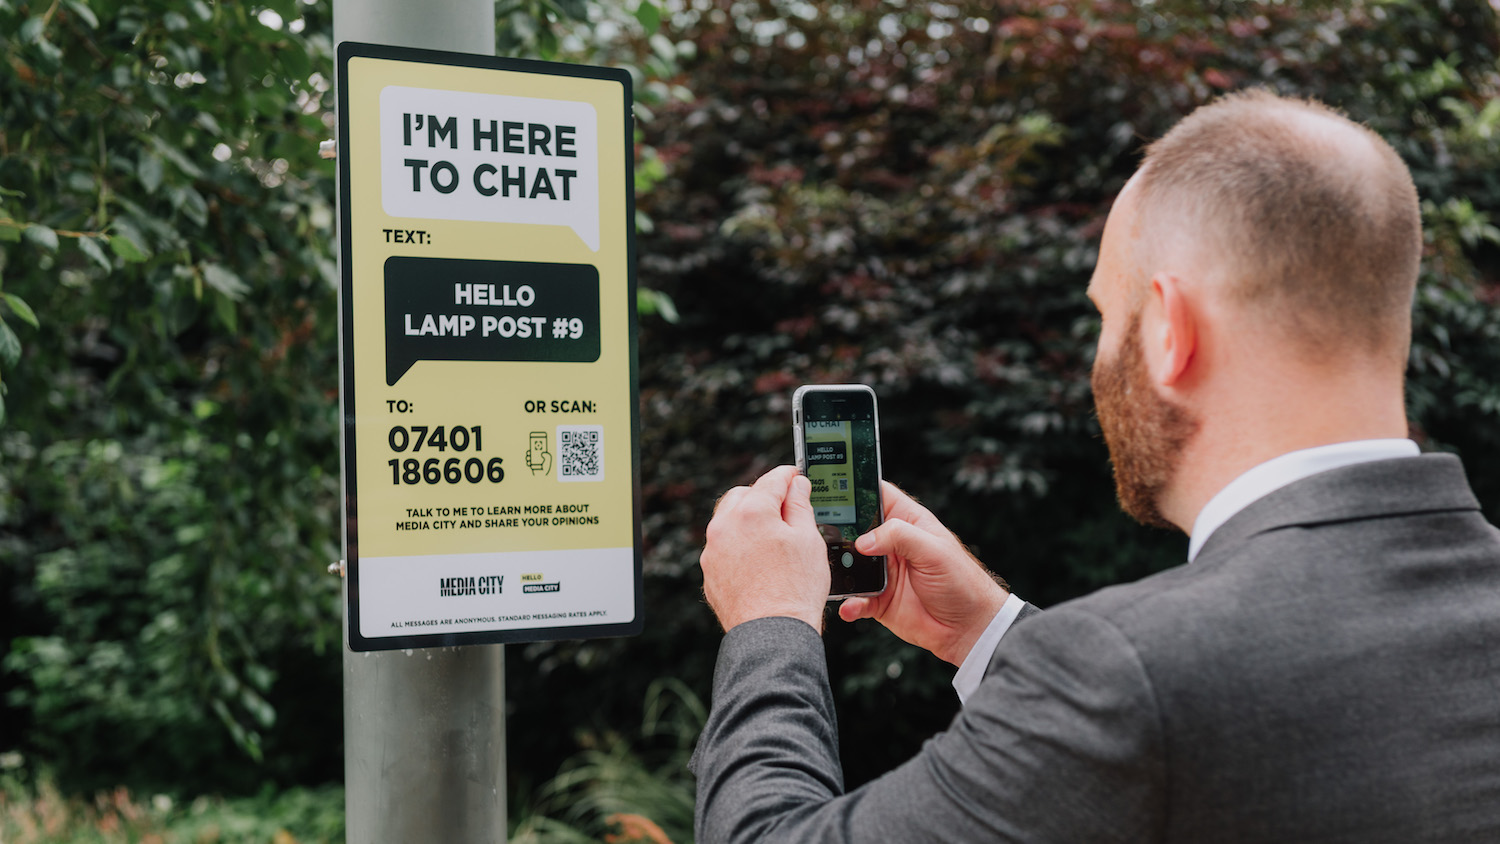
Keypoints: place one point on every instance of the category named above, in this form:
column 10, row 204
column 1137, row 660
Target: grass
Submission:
column 616, row 790
column 39, row 814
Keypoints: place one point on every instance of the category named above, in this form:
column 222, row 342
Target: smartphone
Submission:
column 837, row 436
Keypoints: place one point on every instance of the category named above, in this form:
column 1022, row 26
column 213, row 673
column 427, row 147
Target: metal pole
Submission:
column 424, row 730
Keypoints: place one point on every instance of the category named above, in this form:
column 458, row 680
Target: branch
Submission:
column 17, row 224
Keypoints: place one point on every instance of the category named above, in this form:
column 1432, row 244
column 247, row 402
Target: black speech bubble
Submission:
column 826, row 452
column 416, row 288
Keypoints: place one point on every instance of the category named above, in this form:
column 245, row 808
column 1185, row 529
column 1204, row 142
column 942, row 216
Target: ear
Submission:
column 1176, row 336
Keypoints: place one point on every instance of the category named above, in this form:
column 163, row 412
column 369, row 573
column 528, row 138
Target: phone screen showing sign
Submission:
column 843, row 463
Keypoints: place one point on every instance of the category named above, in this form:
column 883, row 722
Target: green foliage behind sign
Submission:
column 911, row 196
column 168, row 359
column 168, row 497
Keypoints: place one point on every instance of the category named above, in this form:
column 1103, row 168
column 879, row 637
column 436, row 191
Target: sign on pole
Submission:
column 488, row 346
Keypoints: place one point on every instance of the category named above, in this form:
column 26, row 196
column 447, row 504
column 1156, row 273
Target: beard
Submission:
column 1144, row 432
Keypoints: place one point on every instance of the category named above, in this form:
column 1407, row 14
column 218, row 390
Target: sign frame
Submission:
column 354, row 639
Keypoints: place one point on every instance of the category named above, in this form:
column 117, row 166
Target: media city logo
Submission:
column 454, row 587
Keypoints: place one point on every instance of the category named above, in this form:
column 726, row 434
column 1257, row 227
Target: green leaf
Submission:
column 223, row 279
column 663, row 47
column 10, row 233
column 149, row 171
column 127, row 249
column 188, row 535
column 648, row 302
column 296, row 63
column 546, row 43
column 176, row 156
column 263, row 713
column 649, row 16
column 42, row 236
column 209, row 124
column 668, row 307
column 21, row 309
column 49, row 51
column 191, row 204
column 225, row 310
column 90, row 247
column 10, row 346
column 84, row 13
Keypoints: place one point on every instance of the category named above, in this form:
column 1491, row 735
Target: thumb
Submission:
column 904, row 540
column 796, row 508
column 857, row 608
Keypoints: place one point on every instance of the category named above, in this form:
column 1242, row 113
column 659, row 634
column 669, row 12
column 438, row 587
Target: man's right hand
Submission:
column 937, row 597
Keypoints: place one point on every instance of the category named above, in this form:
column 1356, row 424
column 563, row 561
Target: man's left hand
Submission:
column 764, row 555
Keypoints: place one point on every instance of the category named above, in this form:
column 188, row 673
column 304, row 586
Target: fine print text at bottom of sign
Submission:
column 502, row 619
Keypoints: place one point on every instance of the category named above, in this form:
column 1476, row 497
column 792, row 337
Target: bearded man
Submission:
column 1325, row 668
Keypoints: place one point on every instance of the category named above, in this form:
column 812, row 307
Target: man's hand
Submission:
column 764, row 555
column 938, row 597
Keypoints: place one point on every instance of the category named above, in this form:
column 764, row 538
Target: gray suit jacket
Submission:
column 1327, row 670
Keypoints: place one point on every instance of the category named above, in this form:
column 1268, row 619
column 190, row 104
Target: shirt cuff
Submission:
column 966, row 681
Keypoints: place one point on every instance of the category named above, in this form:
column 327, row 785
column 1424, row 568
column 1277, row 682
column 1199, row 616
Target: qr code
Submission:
column 580, row 453
column 843, row 484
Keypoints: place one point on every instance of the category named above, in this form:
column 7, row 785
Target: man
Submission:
column 1325, row 668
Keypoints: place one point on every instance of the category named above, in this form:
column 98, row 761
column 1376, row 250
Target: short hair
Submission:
column 1312, row 219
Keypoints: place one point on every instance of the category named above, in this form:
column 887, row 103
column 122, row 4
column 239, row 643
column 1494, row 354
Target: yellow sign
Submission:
column 488, row 331
column 830, row 468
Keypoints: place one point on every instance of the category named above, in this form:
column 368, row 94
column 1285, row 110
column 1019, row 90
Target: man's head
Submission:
column 1263, row 241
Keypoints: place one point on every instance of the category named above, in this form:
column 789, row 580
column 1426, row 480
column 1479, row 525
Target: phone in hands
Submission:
column 837, row 436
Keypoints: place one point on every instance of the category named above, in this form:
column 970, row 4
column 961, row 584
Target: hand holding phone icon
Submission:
column 538, row 458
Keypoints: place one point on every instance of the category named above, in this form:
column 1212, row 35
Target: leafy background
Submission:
column 905, row 195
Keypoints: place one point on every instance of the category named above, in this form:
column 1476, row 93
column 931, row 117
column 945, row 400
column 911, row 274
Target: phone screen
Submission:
column 841, row 457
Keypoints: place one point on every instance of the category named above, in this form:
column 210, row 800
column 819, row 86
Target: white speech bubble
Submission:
column 491, row 158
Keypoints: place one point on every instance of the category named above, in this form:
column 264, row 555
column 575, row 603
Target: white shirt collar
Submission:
column 1280, row 471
